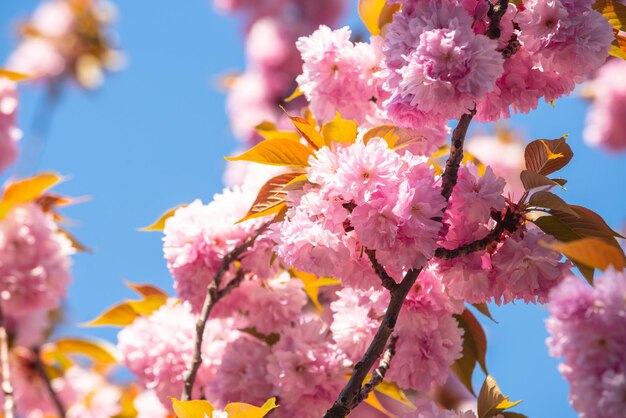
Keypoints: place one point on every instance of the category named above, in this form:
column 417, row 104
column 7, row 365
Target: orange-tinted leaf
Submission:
column 279, row 151
column 388, row 132
column 12, row 75
column 100, row 352
column 244, row 410
column 373, row 401
column 386, row 14
column 612, row 11
column 268, row 131
column 147, row 305
column 532, row 180
column 370, row 12
column 307, row 130
column 491, row 401
column 544, row 199
column 26, row 190
column 192, row 409
column 545, row 156
column 474, row 349
column 339, row 130
column 271, row 197
column 293, row 96
column 591, row 252
column 159, row 224
column 117, row 316
column 146, row 289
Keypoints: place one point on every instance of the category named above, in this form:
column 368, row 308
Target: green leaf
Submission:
column 474, row 349
column 544, row 199
column 532, row 180
column 545, row 156
column 271, row 196
column 491, row 401
column 279, row 151
column 591, row 252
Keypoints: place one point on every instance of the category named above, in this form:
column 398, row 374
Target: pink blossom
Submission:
column 588, row 331
column 339, row 76
column 35, row 263
column 148, row 405
column 9, row 133
column 158, row 348
column 426, row 408
column 607, row 114
column 526, row 269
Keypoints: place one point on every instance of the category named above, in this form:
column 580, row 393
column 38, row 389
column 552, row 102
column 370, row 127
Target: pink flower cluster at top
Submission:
column 9, row 132
column 440, row 59
column 606, row 120
column 271, row 30
column 587, row 328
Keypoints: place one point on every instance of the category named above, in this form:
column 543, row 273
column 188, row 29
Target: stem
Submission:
column 379, row 374
column 347, row 399
column 213, row 295
column 7, row 387
column 41, row 370
column 388, row 282
column 496, row 11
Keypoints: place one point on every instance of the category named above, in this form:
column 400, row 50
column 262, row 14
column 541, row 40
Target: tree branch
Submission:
column 213, row 295
column 41, row 370
column 388, row 282
column 496, row 11
column 347, row 399
column 509, row 223
column 7, row 387
column 379, row 374
column 450, row 175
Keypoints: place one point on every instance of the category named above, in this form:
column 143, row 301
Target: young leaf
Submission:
column 147, row 305
column 587, row 224
column 146, row 289
column 474, row 349
column 392, row 390
column 372, row 400
column 159, row 224
column 268, row 131
column 491, row 401
column 25, row 191
column 613, row 11
column 532, row 180
column 293, row 96
column 369, row 12
column 591, row 252
column 312, row 285
column 244, row 410
column 279, row 151
column 271, row 197
column 339, row 130
column 545, row 156
column 12, row 75
column 192, row 409
column 116, row 316
column 307, row 130
column 543, row 199
column 387, row 132
column 484, row 309
column 100, row 352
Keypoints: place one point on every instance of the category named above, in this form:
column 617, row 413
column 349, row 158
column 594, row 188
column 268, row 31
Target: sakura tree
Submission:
column 360, row 232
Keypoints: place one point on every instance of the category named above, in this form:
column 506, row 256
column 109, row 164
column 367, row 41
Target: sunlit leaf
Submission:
column 268, row 130
column 545, row 156
column 147, row 305
column 146, row 289
column 375, row 14
column 484, row 309
column 26, row 190
column 271, row 196
column 280, row 152
column 544, row 199
column 474, row 349
column 392, row 390
column 99, row 351
column 192, row 409
column 312, row 285
column 372, row 400
column 339, row 130
column 613, row 11
column 387, row 132
column 117, row 316
column 12, row 75
column 159, row 224
column 307, row 130
column 491, row 401
column 592, row 252
column 618, row 46
column 76, row 244
column 532, row 180
column 293, row 96
column 244, row 410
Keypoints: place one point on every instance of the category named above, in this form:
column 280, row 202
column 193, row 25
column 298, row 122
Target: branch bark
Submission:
column 213, row 295
column 7, row 387
column 348, row 398
column 388, row 282
column 41, row 370
column 496, row 11
column 379, row 374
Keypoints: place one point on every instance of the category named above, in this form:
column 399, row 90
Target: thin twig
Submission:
column 509, row 223
column 346, row 401
column 496, row 11
column 379, row 374
column 213, row 295
column 41, row 370
column 7, row 387
column 388, row 282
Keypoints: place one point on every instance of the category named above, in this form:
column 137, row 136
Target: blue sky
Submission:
column 156, row 134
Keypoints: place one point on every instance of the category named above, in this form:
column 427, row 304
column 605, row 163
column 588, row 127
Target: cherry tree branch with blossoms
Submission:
column 7, row 386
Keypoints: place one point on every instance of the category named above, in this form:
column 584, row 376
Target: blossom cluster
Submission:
column 588, row 332
column 67, row 39
column 9, row 132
